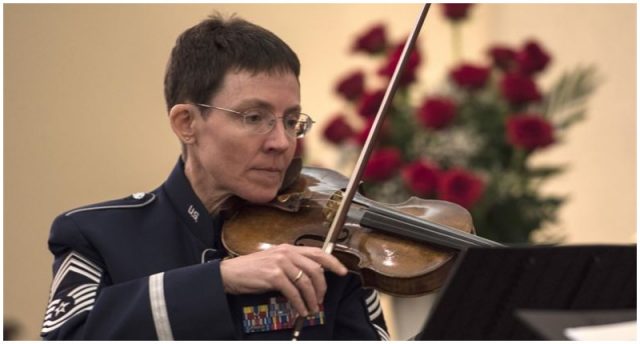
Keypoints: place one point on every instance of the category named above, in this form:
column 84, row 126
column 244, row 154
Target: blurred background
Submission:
column 85, row 120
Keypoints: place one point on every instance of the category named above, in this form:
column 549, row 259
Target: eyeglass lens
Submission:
column 262, row 122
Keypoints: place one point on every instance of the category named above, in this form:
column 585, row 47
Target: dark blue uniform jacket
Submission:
column 148, row 267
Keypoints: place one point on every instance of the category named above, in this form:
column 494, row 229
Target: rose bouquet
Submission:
column 470, row 141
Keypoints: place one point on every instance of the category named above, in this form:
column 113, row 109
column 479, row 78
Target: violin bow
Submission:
column 347, row 196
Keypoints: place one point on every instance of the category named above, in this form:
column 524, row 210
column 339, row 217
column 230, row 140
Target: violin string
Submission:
column 433, row 233
column 429, row 230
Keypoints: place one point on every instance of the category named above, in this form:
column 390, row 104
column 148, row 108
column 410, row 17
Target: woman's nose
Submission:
column 278, row 138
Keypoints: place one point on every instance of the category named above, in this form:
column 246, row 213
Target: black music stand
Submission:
column 490, row 285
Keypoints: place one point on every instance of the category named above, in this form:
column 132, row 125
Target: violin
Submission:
column 404, row 249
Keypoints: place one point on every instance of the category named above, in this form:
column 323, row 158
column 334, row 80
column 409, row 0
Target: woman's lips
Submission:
column 272, row 174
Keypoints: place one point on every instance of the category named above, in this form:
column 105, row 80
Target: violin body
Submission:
column 391, row 263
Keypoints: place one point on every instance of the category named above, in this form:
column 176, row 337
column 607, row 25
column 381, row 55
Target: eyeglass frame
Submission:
column 310, row 120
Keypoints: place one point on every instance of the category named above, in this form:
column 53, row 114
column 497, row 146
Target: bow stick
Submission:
column 341, row 214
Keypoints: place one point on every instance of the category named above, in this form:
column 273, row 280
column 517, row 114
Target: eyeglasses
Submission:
column 261, row 121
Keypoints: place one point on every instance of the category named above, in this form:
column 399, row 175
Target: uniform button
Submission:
column 138, row 195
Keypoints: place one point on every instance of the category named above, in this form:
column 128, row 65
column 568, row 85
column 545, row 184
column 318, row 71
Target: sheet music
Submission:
column 617, row 331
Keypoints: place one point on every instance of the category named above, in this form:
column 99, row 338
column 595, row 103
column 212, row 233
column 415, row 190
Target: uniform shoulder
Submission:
column 133, row 201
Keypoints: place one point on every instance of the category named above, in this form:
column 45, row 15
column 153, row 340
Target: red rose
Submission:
column 352, row 86
column 456, row 12
column 470, row 77
column 382, row 165
column 370, row 103
column 519, row 89
column 373, row 41
column 503, row 57
column 437, row 112
column 420, row 177
column 361, row 137
column 529, row 131
column 460, row 186
column 532, row 58
column 409, row 72
column 338, row 130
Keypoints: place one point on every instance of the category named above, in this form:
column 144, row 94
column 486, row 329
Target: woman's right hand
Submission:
column 296, row 271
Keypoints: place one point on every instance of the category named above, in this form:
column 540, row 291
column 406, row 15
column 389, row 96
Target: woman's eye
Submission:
column 291, row 121
column 254, row 117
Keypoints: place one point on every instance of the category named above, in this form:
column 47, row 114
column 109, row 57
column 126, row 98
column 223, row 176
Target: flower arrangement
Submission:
column 470, row 141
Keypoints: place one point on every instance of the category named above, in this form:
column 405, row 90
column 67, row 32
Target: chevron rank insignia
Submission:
column 73, row 290
column 277, row 315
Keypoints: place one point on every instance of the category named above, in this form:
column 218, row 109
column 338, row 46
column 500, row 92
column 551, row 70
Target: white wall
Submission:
column 84, row 117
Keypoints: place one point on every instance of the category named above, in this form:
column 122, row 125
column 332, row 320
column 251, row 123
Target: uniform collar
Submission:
column 190, row 208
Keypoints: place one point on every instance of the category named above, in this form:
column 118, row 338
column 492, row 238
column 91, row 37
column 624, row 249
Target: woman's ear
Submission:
column 182, row 118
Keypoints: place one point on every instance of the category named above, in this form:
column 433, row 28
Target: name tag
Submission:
column 276, row 315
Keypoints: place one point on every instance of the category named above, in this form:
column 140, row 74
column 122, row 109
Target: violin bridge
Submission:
column 331, row 207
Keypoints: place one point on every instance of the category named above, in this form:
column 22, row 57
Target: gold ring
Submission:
column 298, row 276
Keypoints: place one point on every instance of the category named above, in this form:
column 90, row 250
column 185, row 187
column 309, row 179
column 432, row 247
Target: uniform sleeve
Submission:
column 360, row 315
column 374, row 310
column 186, row 303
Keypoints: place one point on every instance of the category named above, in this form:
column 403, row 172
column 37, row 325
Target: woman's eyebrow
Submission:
column 258, row 103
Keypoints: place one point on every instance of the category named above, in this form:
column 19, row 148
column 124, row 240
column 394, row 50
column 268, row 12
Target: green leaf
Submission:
column 570, row 93
column 570, row 119
column 544, row 171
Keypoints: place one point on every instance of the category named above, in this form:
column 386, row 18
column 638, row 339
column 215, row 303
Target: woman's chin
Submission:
column 263, row 196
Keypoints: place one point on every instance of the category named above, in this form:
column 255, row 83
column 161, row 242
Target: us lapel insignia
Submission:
column 193, row 213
